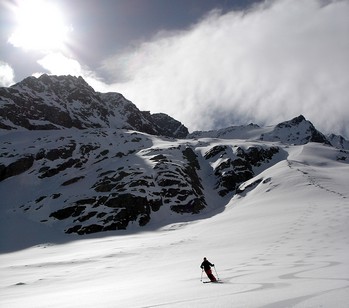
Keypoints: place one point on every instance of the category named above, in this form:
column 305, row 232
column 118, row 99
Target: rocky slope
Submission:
column 56, row 102
column 84, row 162
column 98, row 180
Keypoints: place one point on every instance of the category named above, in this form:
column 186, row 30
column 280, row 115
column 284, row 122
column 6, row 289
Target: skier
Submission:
column 206, row 265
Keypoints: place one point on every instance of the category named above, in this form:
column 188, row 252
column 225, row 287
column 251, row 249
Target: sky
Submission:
column 209, row 64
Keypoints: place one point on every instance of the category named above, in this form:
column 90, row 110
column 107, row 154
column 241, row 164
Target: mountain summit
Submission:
column 56, row 102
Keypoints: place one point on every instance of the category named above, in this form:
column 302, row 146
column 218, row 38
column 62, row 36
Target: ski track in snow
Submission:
column 312, row 179
column 317, row 248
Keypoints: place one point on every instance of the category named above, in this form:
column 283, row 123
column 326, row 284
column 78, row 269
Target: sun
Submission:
column 39, row 26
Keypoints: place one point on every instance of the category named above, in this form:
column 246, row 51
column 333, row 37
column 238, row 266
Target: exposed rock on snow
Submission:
column 338, row 141
column 232, row 170
column 169, row 126
column 17, row 167
column 55, row 102
column 295, row 131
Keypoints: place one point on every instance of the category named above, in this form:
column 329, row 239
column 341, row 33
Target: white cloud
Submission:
column 278, row 60
column 7, row 75
column 59, row 64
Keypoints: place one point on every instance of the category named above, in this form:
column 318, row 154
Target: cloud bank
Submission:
column 7, row 74
column 57, row 63
column 269, row 64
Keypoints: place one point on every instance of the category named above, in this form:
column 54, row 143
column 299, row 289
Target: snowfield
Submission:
column 284, row 243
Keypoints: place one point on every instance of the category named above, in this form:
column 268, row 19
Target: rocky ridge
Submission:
column 57, row 102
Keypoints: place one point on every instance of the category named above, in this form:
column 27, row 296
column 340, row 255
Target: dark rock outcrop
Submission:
column 19, row 166
column 168, row 126
column 238, row 166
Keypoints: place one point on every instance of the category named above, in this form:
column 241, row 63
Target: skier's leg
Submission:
column 210, row 275
column 212, row 278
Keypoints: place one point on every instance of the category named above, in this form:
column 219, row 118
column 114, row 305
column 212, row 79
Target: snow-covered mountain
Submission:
column 90, row 172
column 296, row 131
column 79, row 168
column 56, row 102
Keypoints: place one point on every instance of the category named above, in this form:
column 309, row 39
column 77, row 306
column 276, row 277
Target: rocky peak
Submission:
column 57, row 102
column 296, row 131
column 169, row 126
column 54, row 84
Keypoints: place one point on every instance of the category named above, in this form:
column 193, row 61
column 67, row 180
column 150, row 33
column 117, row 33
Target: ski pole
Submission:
column 201, row 275
column 216, row 272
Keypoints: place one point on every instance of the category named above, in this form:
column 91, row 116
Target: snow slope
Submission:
column 284, row 243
